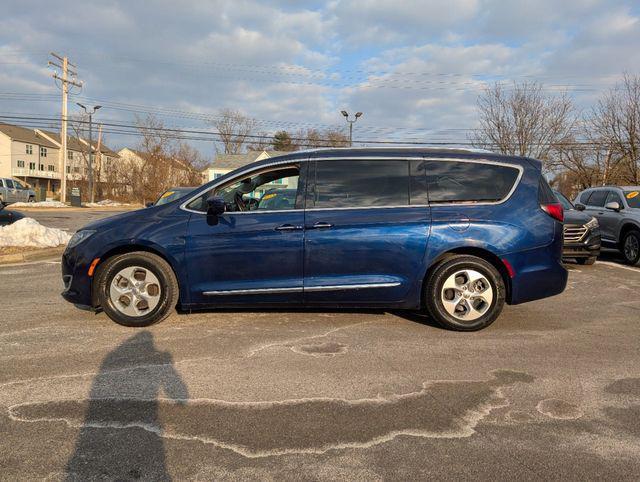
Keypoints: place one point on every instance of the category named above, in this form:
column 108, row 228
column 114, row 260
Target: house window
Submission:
column 42, row 167
column 43, row 151
column 70, row 155
column 32, row 166
column 28, row 149
column 20, row 163
column 76, row 169
column 68, row 169
column 51, row 168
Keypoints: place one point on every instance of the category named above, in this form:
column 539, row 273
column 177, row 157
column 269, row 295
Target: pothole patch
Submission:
column 559, row 409
column 329, row 348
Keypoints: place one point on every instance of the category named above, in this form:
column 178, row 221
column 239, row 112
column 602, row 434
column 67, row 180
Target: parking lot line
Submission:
column 621, row 266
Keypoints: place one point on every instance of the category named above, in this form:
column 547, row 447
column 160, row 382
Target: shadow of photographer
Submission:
column 121, row 436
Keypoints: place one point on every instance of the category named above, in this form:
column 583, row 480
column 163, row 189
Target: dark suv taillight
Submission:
column 554, row 210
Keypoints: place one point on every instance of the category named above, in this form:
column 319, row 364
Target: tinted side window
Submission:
column 9, row 183
column 584, row 197
column 597, row 198
column 353, row 184
column 458, row 181
column 614, row 197
column 419, row 193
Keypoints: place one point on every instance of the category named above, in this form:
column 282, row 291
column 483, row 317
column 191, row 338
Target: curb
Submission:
column 39, row 255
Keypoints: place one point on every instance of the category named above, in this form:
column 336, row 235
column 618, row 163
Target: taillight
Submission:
column 554, row 210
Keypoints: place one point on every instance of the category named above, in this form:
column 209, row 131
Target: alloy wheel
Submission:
column 135, row 291
column 631, row 247
column 467, row 295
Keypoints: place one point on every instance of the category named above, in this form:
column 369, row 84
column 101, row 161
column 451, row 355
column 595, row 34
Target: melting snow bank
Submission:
column 29, row 232
column 41, row 204
column 106, row 202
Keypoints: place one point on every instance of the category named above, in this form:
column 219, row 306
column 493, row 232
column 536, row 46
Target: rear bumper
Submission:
column 539, row 273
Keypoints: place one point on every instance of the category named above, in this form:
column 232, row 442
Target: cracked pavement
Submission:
column 551, row 390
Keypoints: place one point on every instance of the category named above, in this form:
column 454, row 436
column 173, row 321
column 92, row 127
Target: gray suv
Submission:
column 617, row 210
column 12, row 191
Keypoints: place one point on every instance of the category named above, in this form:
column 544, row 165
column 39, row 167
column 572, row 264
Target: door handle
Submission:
column 321, row 225
column 288, row 227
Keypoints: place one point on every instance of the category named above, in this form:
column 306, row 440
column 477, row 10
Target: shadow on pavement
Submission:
column 120, row 438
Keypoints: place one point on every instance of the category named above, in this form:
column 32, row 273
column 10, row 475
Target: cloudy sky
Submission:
column 414, row 67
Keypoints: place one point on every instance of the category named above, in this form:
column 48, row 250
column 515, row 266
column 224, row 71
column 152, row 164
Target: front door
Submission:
column 253, row 254
column 366, row 230
column 609, row 219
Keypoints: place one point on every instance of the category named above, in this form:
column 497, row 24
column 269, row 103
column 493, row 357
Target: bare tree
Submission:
column 615, row 122
column 524, row 121
column 234, row 129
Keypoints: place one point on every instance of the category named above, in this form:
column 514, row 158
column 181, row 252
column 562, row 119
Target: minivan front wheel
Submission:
column 137, row 289
column 465, row 293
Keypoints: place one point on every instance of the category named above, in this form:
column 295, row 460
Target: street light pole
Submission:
column 351, row 122
column 90, row 113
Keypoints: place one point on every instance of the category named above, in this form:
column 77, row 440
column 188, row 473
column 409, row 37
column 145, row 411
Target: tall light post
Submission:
column 90, row 114
column 351, row 122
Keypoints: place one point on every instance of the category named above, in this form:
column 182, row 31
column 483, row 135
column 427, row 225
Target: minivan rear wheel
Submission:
column 137, row 289
column 465, row 293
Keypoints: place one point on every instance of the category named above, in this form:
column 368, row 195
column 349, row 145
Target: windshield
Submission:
column 566, row 204
column 633, row 199
column 172, row 195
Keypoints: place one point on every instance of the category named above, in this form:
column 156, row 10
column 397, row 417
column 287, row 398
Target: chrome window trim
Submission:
column 520, row 169
column 257, row 291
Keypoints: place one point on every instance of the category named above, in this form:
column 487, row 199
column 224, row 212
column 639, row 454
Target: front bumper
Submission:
column 589, row 246
column 77, row 284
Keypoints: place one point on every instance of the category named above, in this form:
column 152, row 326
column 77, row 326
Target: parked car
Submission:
column 12, row 191
column 581, row 233
column 171, row 195
column 617, row 209
column 8, row 217
column 454, row 232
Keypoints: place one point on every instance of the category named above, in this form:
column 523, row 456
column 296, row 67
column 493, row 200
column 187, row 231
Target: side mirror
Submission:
column 580, row 207
column 216, row 206
column 613, row 205
column 148, row 205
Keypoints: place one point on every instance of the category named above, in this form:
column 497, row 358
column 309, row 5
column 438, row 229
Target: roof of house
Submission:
column 74, row 144
column 24, row 134
column 234, row 161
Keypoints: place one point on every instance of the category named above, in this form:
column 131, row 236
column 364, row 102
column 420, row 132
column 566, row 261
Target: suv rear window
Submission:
column 459, row 181
column 545, row 193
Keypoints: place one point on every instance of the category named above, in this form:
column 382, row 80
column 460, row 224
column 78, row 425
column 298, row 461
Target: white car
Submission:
column 12, row 191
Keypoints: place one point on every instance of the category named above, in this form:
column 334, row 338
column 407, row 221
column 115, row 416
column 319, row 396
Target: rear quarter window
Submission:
column 460, row 181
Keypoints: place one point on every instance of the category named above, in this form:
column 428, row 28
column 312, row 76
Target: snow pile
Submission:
column 29, row 232
column 40, row 204
column 106, row 202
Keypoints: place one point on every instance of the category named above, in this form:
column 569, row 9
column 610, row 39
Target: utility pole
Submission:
column 90, row 114
column 67, row 68
column 351, row 122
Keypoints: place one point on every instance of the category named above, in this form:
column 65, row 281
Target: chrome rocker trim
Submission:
column 258, row 291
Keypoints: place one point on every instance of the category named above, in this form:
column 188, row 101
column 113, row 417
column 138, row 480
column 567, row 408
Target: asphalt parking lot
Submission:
column 551, row 390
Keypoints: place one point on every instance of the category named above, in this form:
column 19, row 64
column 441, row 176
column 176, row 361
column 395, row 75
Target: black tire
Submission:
column 631, row 256
column 586, row 261
column 447, row 268
column 169, row 290
column 32, row 199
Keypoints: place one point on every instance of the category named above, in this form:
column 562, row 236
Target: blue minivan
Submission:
column 454, row 232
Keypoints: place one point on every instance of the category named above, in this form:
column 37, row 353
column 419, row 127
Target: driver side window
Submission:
column 275, row 189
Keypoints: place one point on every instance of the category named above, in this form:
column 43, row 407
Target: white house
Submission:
column 225, row 163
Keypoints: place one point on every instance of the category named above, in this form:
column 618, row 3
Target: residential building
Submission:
column 34, row 157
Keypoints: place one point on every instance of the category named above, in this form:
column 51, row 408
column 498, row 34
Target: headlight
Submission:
column 592, row 224
column 79, row 237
